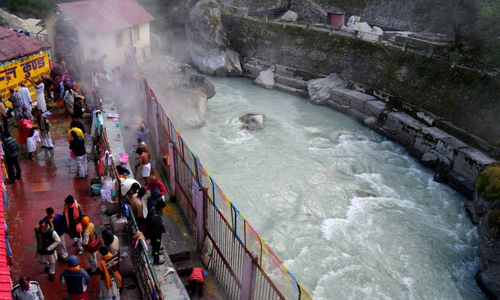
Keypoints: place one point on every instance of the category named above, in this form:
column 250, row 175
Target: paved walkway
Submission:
column 46, row 182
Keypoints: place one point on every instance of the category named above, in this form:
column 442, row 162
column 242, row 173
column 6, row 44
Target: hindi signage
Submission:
column 14, row 72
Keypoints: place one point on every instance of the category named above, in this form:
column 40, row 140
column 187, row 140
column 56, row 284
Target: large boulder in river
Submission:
column 253, row 121
column 265, row 79
column 320, row 90
column 180, row 89
column 207, row 41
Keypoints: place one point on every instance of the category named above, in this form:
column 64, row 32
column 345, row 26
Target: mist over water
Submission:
column 349, row 212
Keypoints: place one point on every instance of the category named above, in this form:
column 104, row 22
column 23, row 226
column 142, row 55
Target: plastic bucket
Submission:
column 123, row 157
column 96, row 189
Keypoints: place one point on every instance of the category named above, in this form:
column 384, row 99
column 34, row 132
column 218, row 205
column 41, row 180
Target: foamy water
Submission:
column 351, row 214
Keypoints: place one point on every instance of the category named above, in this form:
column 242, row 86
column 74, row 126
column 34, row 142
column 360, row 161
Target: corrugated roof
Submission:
column 105, row 15
column 5, row 287
column 14, row 45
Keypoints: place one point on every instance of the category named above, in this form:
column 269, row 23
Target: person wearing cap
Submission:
column 72, row 213
column 46, row 241
column 27, row 290
column 57, row 222
column 88, row 237
column 155, row 230
column 111, row 280
column 76, row 279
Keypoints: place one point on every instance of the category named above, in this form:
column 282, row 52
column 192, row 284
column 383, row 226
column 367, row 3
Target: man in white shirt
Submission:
column 27, row 290
column 25, row 96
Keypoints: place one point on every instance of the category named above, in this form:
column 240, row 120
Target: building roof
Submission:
column 14, row 45
column 105, row 15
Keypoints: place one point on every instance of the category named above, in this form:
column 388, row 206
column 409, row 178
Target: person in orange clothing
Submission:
column 89, row 235
column 197, row 281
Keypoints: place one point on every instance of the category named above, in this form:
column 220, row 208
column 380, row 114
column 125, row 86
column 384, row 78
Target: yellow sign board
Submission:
column 14, row 72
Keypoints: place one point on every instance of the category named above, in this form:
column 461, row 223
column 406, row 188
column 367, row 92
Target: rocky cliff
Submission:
column 451, row 97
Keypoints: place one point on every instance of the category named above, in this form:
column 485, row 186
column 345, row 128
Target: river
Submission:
column 351, row 214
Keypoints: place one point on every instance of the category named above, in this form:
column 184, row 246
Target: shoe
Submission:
column 160, row 262
column 80, row 251
column 46, row 270
column 11, row 181
column 19, row 177
column 50, row 148
column 52, row 277
column 44, row 147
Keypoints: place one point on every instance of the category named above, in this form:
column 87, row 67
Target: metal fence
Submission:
column 236, row 256
column 143, row 268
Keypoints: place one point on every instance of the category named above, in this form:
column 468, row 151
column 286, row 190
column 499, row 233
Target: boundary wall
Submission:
column 241, row 262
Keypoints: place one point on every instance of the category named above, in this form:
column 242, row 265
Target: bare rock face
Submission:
column 265, row 79
column 253, row 121
column 180, row 89
column 207, row 41
column 320, row 89
column 289, row 16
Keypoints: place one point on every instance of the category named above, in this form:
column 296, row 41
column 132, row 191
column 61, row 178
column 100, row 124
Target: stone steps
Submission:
column 291, row 90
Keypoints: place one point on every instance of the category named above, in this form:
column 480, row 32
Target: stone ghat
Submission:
column 455, row 162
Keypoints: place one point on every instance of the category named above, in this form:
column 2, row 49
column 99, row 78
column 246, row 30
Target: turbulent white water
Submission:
column 351, row 214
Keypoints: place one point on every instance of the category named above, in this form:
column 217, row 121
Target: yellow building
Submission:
column 21, row 57
column 87, row 30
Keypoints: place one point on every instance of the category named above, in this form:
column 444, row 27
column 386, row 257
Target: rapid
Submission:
column 351, row 214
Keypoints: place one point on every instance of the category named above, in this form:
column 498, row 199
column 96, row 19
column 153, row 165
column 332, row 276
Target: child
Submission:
column 31, row 144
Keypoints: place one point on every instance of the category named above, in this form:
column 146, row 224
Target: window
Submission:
column 136, row 32
column 119, row 39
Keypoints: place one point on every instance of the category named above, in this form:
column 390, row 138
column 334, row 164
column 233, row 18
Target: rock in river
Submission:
column 253, row 121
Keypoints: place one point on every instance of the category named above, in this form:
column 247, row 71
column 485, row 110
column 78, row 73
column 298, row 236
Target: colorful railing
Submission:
column 236, row 256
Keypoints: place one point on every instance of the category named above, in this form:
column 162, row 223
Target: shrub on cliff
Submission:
column 493, row 220
column 488, row 182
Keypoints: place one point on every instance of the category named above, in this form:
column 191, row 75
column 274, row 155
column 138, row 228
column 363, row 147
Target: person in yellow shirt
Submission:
column 74, row 127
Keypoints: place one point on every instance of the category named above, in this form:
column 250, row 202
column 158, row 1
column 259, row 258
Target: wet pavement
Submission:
column 46, row 182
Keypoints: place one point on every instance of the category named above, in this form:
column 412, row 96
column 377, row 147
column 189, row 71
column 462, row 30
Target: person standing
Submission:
column 77, row 145
column 76, row 279
column 46, row 240
column 111, row 280
column 44, row 125
column 73, row 126
column 156, row 183
column 57, row 222
column 27, row 290
column 3, row 114
column 40, row 94
column 11, row 150
column 25, row 95
column 144, row 164
column 78, row 107
column 79, row 123
column 72, row 213
column 155, row 230
column 31, row 144
column 17, row 105
column 111, row 241
column 137, row 210
column 89, row 235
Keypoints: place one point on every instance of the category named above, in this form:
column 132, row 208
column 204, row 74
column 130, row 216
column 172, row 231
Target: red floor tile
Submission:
column 47, row 182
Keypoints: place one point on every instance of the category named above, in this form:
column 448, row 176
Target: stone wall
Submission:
column 456, row 99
